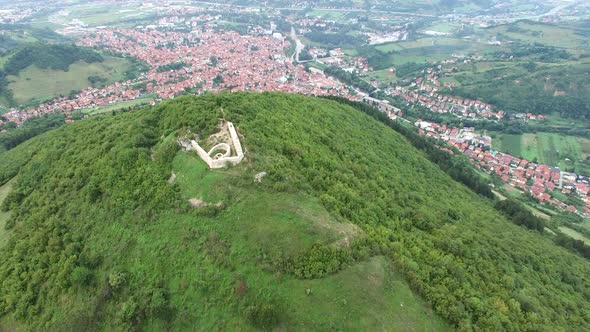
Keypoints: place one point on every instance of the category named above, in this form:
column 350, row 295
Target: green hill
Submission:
column 351, row 229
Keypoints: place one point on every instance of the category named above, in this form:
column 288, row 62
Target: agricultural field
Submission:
column 551, row 149
column 429, row 49
column 91, row 14
column 35, row 85
column 337, row 16
column 531, row 32
column 107, row 14
column 422, row 42
column 442, row 27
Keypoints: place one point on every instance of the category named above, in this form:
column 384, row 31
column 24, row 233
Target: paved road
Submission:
column 299, row 46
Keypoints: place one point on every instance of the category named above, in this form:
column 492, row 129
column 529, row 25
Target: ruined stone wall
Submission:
column 235, row 140
column 222, row 162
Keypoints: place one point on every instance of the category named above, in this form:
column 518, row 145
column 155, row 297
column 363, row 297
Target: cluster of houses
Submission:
column 423, row 91
column 14, row 14
column 542, row 182
column 200, row 61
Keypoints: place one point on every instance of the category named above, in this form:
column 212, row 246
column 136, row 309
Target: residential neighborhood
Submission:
column 208, row 61
column 542, row 182
column 192, row 54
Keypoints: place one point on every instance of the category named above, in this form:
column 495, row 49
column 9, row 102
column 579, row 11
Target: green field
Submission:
column 431, row 49
column 118, row 106
column 443, row 27
column 34, row 85
column 574, row 234
column 4, row 190
column 385, row 76
column 547, row 148
column 421, row 42
column 338, row 16
column 547, row 34
column 508, row 143
column 97, row 15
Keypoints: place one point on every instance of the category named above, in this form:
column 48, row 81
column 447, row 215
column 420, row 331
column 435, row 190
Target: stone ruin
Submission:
column 227, row 150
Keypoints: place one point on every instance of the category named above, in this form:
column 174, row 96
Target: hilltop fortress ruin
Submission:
column 228, row 149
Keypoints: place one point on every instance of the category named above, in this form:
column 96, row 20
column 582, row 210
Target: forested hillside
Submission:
column 43, row 56
column 350, row 216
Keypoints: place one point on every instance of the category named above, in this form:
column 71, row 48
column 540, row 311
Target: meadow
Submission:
column 385, row 76
column 547, row 148
column 35, row 85
column 547, row 34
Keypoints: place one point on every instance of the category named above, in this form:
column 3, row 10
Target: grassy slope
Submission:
column 276, row 224
column 4, row 190
column 328, row 167
column 541, row 33
column 256, row 222
column 35, row 84
column 574, row 234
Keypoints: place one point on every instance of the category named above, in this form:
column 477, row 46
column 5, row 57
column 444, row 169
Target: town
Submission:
column 205, row 58
column 538, row 180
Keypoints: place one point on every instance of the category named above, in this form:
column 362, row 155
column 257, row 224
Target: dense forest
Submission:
column 332, row 40
column 29, row 129
column 252, row 258
column 455, row 166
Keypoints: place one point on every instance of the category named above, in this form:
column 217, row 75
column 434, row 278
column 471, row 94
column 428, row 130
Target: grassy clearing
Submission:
column 318, row 65
column 584, row 146
column 3, row 60
column 117, row 106
column 350, row 51
column 4, row 190
column 37, row 85
column 364, row 285
column 538, row 213
column 256, row 227
column 385, row 76
column 558, row 121
column 574, row 234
